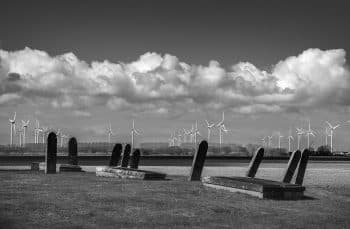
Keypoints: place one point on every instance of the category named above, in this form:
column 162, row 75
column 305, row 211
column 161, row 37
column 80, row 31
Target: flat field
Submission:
column 82, row 200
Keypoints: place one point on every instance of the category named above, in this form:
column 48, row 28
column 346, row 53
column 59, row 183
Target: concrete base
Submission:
column 70, row 168
column 256, row 187
column 37, row 166
column 127, row 173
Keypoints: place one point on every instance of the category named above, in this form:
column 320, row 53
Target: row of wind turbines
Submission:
column 180, row 136
column 300, row 132
column 133, row 133
column 40, row 133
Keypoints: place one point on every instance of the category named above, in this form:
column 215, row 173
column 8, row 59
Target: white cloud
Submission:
column 163, row 84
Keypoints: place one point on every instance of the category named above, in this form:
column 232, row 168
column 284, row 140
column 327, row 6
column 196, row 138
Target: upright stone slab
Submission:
column 51, row 153
column 115, row 158
column 302, row 167
column 72, row 151
column 291, row 167
column 255, row 162
column 126, row 156
column 198, row 162
column 135, row 159
column 72, row 165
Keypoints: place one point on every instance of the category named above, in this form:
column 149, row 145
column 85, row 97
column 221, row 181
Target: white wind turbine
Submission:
column 263, row 141
column 222, row 129
column 13, row 128
column 326, row 134
column 171, row 140
column 269, row 141
column 44, row 132
column 308, row 133
column 133, row 132
column 209, row 126
column 300, row 132
column 36, row 131
column 195, row 133
column 279, row 136
column 290, row 137
column 331, row 129
column 179, row 135
column 109, row 132
column 174, row 138
column 186, row 133
column 24, row 127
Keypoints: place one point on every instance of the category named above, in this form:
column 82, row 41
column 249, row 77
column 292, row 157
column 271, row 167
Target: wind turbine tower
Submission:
column 133, row 132
column 222, row 129
column 331, row 129
column 290, row 137
column 13, row 126
column 269, row 141
column 308, row 133
column 195, row 134
column 209, row 126
column 300, row 132
column 279, row 139
column 109, row 132
column 24, row 127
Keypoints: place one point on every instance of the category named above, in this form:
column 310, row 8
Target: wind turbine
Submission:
column 300, row 132
column 209, row 126
column 44, row 132
column 13, row 128
column 109, row 132
column 179, row 135
column 36, row 132
column 24, row 127
column 222, row 128
column 269, row 143
column 196, row 133
column 133, row 132
column 279, row 139
column 171, row 140
column 290, row 137
column 263, row 141
column 326, row 134
column 331, row 129
column 308, row 133
column 186, row 133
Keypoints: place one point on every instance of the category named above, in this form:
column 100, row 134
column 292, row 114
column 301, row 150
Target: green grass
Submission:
column 82, row 200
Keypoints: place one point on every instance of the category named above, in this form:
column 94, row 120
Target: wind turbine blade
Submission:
column 330, row 126
column 136, row 132
column 207, row 123
column 336, row 126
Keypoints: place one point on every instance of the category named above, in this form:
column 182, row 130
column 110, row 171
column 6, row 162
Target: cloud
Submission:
column 163, row 85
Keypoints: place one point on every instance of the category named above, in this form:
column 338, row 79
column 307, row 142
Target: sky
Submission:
column 270, row 65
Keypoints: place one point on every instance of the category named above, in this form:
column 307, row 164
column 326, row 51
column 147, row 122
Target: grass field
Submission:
column 82, row 200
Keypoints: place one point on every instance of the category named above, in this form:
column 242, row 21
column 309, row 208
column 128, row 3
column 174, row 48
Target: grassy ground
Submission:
column 82, row 200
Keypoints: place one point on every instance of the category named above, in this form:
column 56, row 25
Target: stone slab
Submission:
column 70, row 168
column 128, row 173
column 255, row 162
column 260, row 188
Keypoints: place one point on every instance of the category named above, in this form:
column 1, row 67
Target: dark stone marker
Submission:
column 73, row 151
column 135, row 159
column 198, row 162
column 51, row 153
column 302, row 167
column 291, row 167
column 255, row 162
column 126, row 156
column 117, row 151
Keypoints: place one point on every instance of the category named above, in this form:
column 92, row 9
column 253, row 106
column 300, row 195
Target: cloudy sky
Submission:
column 270, row 66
